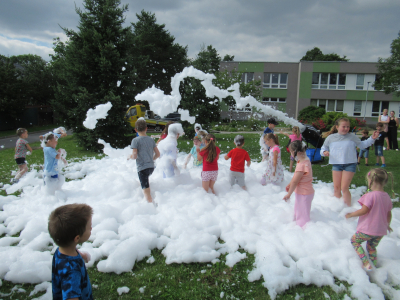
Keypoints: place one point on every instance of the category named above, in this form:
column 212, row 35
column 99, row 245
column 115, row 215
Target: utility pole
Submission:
column 366, row 99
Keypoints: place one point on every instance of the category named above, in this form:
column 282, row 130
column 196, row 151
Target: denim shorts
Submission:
column 364, row 153
column 144, row 177
column 378, row 150
column 345, row 167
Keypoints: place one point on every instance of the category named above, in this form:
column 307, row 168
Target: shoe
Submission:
column 383, row 166
column 358, row 163
column 14, row 180
column 376, row 164
column 367, row 165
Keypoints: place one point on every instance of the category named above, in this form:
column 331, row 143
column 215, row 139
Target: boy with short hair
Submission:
column 145, row 151
column 379, row 144
column 70, row 225
column 239, row 156
column 364, row 152
column 270, row 129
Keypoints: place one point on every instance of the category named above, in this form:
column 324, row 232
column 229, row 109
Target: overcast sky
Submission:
column 252, row 30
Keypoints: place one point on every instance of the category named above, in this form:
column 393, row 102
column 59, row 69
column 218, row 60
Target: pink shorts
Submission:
column 209, row 175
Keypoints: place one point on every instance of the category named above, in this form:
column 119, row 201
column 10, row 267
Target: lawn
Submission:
column 187, row 281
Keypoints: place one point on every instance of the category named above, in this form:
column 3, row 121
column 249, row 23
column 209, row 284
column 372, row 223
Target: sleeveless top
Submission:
column 392, row 123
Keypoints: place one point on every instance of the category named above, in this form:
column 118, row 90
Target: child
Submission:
column 58, row 132
column 164, row 133
column 52, row 179
column 341, row 149
column 270, row 129
column 239, row 156
column 21, row 150
column 70, row 225
column 197, row 128
column 274, row 171
column 202, row 134
column 145, row 151
column 168, row 149
column 295, row 136
column 364, row 152
column 209, row 155
column 379, row 144
column 301, row 184
column 375, row 216
column 193, row 152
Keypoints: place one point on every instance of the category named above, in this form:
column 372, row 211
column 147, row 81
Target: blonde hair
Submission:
column 380, row 176
column 333, row 130
column 211, row 148
column 296, row 131
column 272, row 136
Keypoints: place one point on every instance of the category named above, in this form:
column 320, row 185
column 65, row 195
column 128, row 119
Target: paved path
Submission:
column 9, row 142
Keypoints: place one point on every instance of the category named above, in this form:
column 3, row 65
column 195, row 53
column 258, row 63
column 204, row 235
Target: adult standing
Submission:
column 392, row 131
column 384, row 119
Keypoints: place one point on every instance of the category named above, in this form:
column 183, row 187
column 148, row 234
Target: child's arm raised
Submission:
column 293, row 183
column 362, row 211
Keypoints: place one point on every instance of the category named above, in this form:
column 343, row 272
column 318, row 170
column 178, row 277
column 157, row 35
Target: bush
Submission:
column 310, row 114
column 330, row 117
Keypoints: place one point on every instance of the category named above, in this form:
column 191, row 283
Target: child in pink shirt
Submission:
column 301, row 184
column 374, row 216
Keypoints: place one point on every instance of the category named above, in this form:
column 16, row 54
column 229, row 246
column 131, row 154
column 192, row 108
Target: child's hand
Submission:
column 273, row 174
column 326, row 153
column 28, row 153
column 349, row 215
column 375, row 135
column 286, row 198
column 390, row 228
column 287, row 187
column 86, row 256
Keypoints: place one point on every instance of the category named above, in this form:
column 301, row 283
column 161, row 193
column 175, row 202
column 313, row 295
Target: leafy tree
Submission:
column 316, row 54
column 310, row 114
column 161, row 57
column 228, row 57
column 389, row 70
column 95, row 66
column 11, row 99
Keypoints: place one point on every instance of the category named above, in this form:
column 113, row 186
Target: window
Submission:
column 274, row 100
column 247, row 77
column 360, row 82
column 328, row 105
column 235, row 109
column 357, row 108
column 332, row 81
column 275, row 80
column 378, row 107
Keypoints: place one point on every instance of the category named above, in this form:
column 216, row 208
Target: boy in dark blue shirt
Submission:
column 70, row 225
column 270, row 129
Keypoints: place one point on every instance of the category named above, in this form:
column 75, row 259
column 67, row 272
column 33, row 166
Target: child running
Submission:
column 274, row 171
column 295, row 136
column 301, row 184
column 341, row 149
column 364, row 153
column 21, row 151
column 68, row 226
column 379, row 144
column 374, row 217
column 193, row 153
column 209, row 155
column 239, row 156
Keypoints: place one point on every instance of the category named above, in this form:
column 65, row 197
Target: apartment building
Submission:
column 336, row 86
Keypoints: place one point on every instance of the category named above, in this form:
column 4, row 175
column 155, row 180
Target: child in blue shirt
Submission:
column 270, row 129
column 51, row 177
column 70, row 225
column 193, row 153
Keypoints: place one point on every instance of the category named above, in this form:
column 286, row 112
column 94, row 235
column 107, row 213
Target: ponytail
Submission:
column 211, row 147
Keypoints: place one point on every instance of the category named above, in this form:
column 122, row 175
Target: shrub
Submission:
column 310, row 114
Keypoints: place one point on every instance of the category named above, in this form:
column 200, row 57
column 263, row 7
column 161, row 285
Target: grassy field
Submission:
column 195, row 280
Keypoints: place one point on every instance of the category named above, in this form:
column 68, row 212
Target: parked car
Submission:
column 173, row 117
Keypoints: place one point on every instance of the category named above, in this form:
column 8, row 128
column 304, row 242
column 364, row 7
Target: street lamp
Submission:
column 366, row 98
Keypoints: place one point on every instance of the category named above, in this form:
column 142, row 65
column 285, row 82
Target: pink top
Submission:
column 375, row 221
column 304, row 187
column 275, row 148
column 293, row 137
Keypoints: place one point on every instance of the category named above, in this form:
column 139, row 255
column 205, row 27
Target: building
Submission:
column 335, row 86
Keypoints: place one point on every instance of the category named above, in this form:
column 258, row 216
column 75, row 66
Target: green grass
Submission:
column 186, row 281
column 30, row 129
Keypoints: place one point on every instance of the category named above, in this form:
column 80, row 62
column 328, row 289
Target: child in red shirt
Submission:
column 209, row 155
column 239, row 156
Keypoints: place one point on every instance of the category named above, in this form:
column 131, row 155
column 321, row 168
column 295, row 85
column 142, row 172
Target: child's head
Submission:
column 378, row 176
column 272, row 123
column 21, row 131
column 202, row 134
column 50, row 140
column 175, row 130
column 140, row 125
column 297, row 147
column 296, row 131
column 343, row 125
column 271, row 139
column 197, row 127
column 239, row 140
column 365, row 132
column 60, row 130
column 196, row 141
column 210, row 147
column 69, row 221
column 379, row 126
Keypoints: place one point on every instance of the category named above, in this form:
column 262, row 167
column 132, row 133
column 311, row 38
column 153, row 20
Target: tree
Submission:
column 162, row 57
column 389, row 70
column 228, row 57
column 316, row 54
column 11, row 99
column 93, row 67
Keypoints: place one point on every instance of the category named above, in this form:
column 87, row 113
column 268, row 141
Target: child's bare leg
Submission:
column 244, row 187
column 337, row 180
column 212, row 186
column 366, row 160
column 22, row 170
column 359, row 158
column 377, row 159
column 206, row 185
column 345, row 185
column 147, row 195
column 383, row 160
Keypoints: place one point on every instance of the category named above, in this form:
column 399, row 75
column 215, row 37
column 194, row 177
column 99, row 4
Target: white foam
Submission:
column 92, row 115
